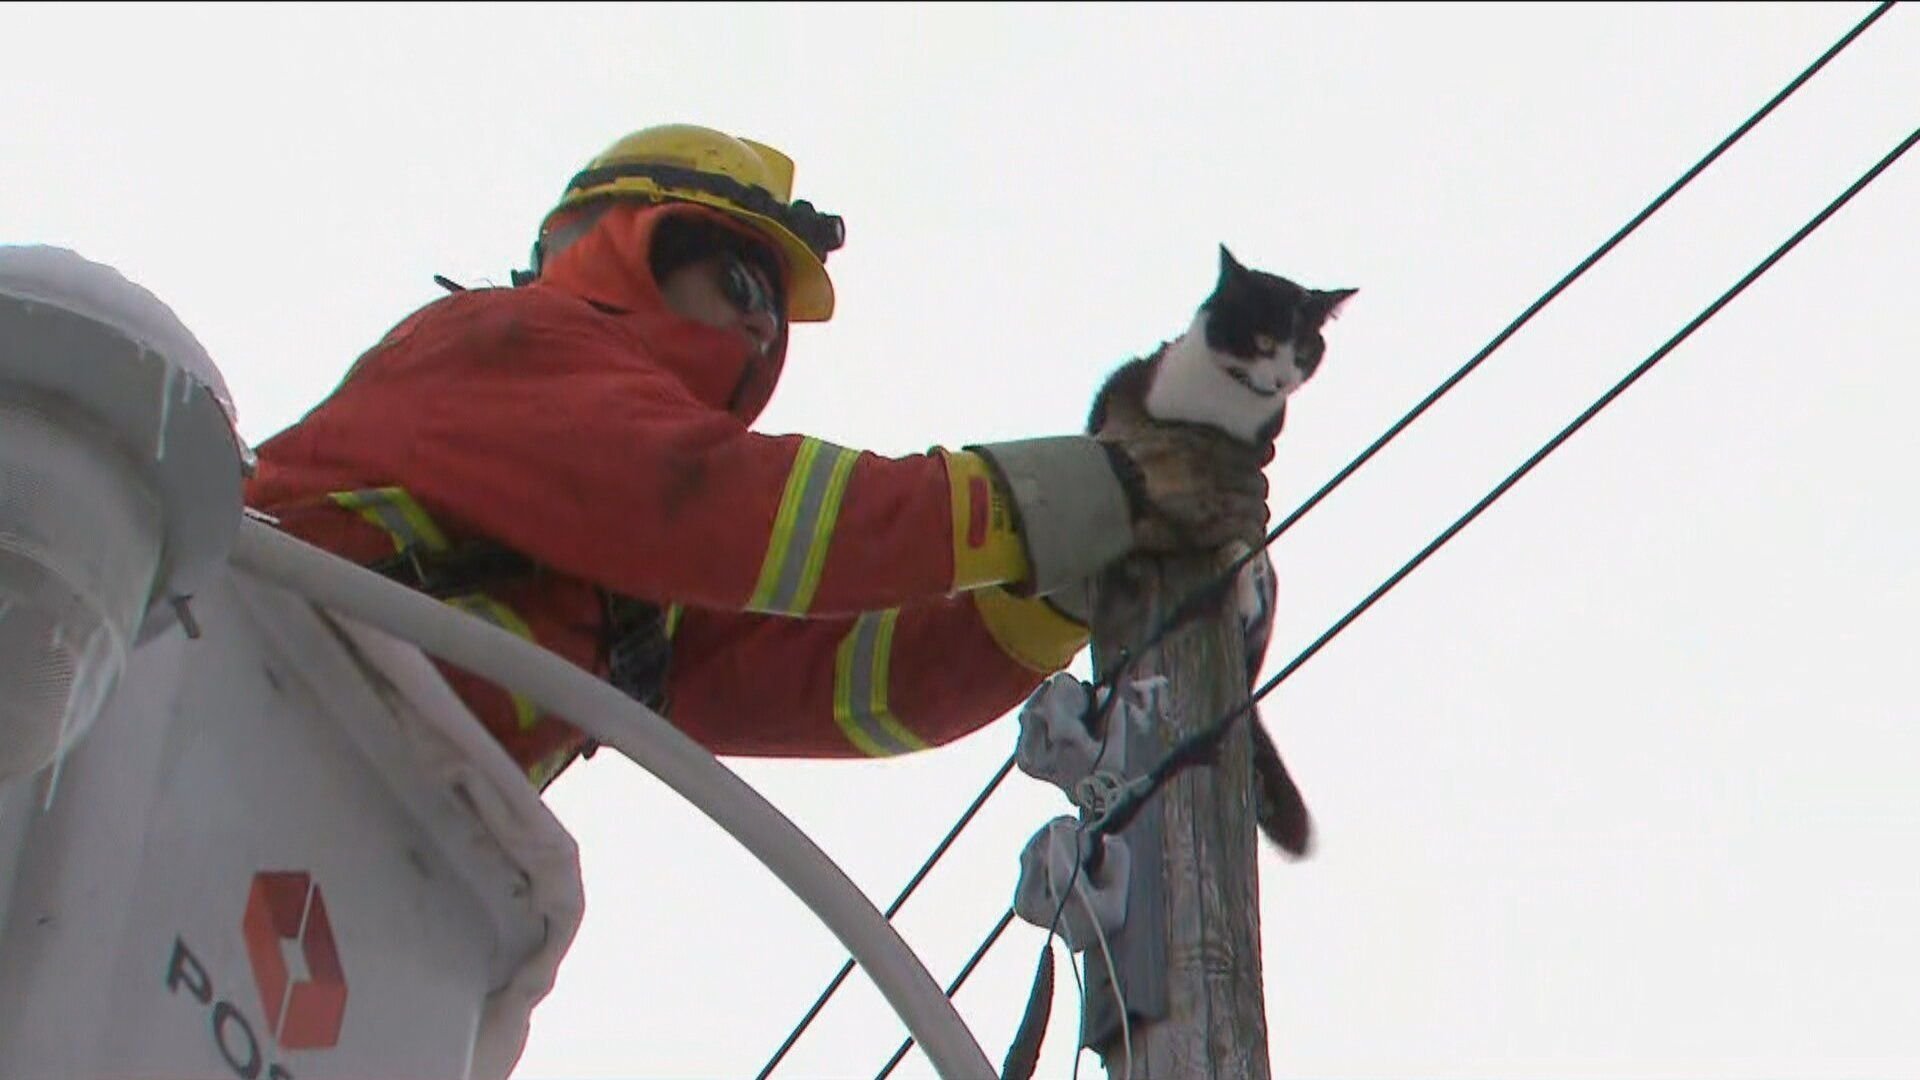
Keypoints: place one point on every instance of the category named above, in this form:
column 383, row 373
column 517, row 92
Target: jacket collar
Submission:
column 608, row 267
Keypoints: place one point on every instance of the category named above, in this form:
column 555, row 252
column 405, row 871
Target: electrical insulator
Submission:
column 1099, row 896
column 1055, row 745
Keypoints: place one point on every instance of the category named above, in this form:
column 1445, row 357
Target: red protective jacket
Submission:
column 826, row 602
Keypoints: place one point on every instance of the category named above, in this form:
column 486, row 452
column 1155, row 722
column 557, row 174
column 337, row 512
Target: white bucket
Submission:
column 79, row 547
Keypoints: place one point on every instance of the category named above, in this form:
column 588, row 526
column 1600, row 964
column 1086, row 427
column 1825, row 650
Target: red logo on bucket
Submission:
column 305, row 994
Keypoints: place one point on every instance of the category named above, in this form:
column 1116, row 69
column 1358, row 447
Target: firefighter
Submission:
column 571, row 459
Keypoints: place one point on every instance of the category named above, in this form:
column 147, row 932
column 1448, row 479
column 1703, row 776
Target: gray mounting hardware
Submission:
column 1046, row 867
column 1055, row 745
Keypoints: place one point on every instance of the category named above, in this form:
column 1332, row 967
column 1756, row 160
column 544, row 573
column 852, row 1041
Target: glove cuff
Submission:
column 1073, row 513
column 1074, row 601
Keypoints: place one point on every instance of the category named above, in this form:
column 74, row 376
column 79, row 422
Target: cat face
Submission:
column 1263, row 330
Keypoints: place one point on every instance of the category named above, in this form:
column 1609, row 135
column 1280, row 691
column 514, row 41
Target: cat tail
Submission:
column 1279, row 808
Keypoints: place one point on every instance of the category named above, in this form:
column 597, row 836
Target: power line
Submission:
column 1196, row 746
column 893, row 909
column 1203, row 598
column 1200, row 743
column 953, row 987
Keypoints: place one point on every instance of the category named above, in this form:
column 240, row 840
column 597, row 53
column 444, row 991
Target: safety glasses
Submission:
column 745, row 288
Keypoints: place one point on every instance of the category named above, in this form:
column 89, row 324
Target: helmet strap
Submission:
column 823, row 233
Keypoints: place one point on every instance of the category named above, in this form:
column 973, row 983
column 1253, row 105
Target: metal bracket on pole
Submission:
column 1139, row 946
column 1093, row 769
column 1046, row 869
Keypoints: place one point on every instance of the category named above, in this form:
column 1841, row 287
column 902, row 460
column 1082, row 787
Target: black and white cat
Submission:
column 1252, row 343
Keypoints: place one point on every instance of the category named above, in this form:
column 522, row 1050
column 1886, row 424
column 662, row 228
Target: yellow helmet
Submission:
column 748, row 181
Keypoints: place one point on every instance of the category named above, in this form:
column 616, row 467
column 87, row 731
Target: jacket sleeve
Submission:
column 875, row 684
column 618, row 476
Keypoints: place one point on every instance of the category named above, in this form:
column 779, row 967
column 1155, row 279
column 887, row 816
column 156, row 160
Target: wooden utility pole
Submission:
column 1188, row 955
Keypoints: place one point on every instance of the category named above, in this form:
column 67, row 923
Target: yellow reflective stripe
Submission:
column 525, row 713
column 782, row 536
column 986, row 546
column 860, row 675
column 394, row 512
column 541, row 773
column 803, row 528
column 674, row 611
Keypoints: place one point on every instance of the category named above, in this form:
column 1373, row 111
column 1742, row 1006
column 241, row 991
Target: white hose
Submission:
column 618, row 721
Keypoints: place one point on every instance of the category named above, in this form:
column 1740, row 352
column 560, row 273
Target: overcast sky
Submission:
column 1622, row 783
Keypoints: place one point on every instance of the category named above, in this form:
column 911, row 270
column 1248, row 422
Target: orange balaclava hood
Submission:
column 609, row 266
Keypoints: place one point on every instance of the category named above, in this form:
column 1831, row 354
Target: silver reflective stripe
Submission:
column 860, row 688
column 389, row 517
column 803, row 529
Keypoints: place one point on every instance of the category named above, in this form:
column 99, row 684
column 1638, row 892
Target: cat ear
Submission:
column 1230, row 267
column 1330, row 301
